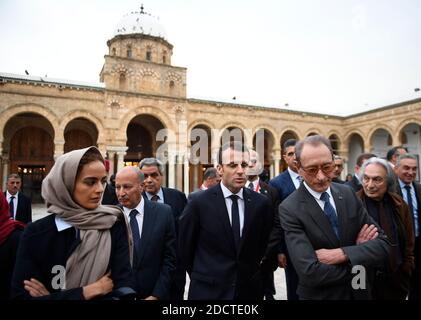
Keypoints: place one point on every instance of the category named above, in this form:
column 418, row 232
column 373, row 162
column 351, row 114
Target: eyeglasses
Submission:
column 326, row 168
column 376, row 180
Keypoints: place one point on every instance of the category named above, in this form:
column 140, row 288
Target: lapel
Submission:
column 149, row 217
column 249, row 212
column 222, row 214
column 290, row 183
column 318, row 216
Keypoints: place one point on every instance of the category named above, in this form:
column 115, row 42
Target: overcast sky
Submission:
column 326, row 56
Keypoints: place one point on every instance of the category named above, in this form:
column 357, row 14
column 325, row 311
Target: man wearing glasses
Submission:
column 391, row 212
column 153, row 170
column 327, row 230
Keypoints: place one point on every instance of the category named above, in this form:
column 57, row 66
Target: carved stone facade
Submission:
column 140, row 110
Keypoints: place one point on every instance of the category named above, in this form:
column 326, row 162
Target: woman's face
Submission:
column 90, row 185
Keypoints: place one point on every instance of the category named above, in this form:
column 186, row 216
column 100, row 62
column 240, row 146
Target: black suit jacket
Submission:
column 24, row 209
column 156, row 257
column 355, row 184
column 307, row 229
column 42, row 247
column 206, row 241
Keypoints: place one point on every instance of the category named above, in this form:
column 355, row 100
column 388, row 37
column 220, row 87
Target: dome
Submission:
column 140, row 22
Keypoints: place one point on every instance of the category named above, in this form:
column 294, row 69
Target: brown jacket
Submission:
column 405, row 217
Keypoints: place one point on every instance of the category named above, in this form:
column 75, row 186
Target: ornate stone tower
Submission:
column 139, row 59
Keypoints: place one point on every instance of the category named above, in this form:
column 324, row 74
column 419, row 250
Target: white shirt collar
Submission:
column 140, row 208
column 226, row 192
column 316, row 194
column 8, row 195
column 293, row 174
column 160, row 194
column 403, row 184
column 61, row 224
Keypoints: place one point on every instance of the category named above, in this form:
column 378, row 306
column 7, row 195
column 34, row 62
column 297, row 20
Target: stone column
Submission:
column 171, row 171
column 58, row 148
column 5, row 160
column 276, row 160
column 111, row 158
column 271, row 171
column 186, row 173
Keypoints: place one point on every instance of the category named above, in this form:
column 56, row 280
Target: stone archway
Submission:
column 80, row 133
column 28, row 146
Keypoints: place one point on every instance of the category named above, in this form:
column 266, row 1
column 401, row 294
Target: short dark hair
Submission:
column 289, row 143
column 210, row 173
column 393, row 151
column 234, row 145
column 315, row 140
column 364, row 156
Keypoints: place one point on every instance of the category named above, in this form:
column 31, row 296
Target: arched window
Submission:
column 129, row 51
column 172, row 84
column 114, row 51
column 149, row 55
column 122, row 81
column 164, row 57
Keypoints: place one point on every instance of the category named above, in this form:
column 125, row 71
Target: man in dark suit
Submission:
column 286, row 183
column 19, row 204
column 406, row 171
column 224, row 234
column 210, row 178
column 327, row 230
column 153, row 170
column 355, row 183
column 256, row 184
column 339, row 167
column 154, row 238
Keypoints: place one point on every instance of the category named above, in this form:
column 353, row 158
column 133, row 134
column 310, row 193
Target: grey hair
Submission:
column 390, row 175
column 405, row 156
column 336, row 157
column 139, row 173
column 315, row 140
column 14, row 176
column 152, row 162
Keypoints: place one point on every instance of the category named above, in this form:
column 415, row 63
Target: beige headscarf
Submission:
column 90, row 259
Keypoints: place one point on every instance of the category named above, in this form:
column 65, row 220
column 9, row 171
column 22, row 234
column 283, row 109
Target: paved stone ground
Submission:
column 38, row 211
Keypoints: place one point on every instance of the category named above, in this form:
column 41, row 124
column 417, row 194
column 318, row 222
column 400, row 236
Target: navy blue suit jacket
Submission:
column 157, row 259
column 206, row 241
column 42, row 247
column 283, row 183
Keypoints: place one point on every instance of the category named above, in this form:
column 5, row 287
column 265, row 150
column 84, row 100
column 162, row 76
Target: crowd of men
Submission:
column 236, row 230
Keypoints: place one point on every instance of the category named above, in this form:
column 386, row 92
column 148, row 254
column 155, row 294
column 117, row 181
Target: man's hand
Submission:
column 35, row 288
column 331, row 256
column 367, row 233
column 282, row 260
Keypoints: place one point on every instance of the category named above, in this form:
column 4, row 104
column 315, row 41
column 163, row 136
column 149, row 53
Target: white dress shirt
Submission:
column 228, row 202
column 160, row 194
column 15, row 201
column 317, row 196
column 295, row 178
column 139, row 217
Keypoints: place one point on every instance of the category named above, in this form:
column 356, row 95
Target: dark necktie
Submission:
column 136, row 235
column 11, row 206
column 330, row 213
column 410, row 204
column 251, row 186
column 155, row 198
column 235, row 220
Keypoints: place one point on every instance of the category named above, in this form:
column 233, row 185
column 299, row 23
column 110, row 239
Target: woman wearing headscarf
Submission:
column 81, row 250
column 10, row 232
